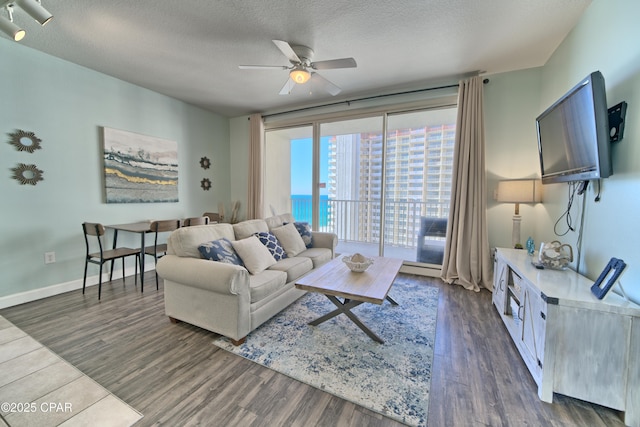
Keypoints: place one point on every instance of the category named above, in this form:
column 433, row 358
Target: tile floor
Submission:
column 38, row 388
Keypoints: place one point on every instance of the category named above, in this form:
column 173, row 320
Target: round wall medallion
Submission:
column 205, row 184
column 25, row 141
column 205, row 163
column 27, row 174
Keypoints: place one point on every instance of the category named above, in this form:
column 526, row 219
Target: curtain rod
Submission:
column 366, row 98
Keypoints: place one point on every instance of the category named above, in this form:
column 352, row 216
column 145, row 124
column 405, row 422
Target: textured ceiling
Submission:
column 191, row 49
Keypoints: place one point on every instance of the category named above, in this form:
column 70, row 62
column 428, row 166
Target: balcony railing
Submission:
column 358, row 221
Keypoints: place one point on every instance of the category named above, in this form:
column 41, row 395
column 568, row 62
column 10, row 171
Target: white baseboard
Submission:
column 49, row 291
column 424, row 270
column 60, row 288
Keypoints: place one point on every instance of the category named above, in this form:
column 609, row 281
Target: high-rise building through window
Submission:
column 418, row 173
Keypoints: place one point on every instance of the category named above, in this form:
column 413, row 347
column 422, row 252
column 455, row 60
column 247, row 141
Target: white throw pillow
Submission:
column 255, row 256
column 290, row 239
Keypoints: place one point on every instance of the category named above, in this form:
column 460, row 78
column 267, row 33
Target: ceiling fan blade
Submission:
column 287, row 50
column 287, row 88
column 321, row 83
column 334, row 63
column 263, row 67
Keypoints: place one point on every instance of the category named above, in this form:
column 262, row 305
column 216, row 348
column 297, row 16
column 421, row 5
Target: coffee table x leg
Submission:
column 345, row 307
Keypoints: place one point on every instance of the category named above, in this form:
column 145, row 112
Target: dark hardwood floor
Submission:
column 175, row 376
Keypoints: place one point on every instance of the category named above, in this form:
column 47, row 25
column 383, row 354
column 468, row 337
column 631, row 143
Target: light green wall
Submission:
column 239, row 135
column 511, row 102
column 605, row 39
column 65, row 105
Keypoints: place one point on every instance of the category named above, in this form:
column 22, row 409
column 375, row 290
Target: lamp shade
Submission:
column 520, row 191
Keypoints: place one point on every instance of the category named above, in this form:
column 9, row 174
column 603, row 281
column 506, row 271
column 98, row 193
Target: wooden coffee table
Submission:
column 335, row 280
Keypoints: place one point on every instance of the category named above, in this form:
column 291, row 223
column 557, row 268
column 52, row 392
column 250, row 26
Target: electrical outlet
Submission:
column 49, row 257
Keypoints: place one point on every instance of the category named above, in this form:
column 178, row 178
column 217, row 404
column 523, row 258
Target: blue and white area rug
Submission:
column 336, row 356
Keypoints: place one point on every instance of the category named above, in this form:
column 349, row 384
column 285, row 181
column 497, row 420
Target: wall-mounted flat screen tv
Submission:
column 573, row 134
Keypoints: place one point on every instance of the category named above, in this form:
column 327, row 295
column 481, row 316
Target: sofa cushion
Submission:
column 220, row 250
column 304, row 229
column 265, row 283
column 272, row 243
column 290, row 239
column 255, row 256
column 249, row 227
column 279, row 220
column 295, row 267
column 317, row 255
column 185, row 241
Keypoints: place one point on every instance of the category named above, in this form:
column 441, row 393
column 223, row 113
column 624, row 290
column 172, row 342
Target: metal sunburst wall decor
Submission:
column 27, row 174
column 205, row 163
column 205, row 184
column 25, row 141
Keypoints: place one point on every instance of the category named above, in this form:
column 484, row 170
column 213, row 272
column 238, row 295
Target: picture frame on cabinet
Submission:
column 608, row 277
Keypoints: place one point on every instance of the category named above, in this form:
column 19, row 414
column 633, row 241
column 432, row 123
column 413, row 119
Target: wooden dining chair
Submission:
column 200, row 220
column 214, row 216
column 158, row 250
column 93, row 238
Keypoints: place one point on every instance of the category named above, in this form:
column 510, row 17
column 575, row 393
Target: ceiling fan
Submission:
column 302, row 68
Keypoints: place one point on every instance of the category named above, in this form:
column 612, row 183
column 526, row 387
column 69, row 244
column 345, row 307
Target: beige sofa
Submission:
column 226, row 298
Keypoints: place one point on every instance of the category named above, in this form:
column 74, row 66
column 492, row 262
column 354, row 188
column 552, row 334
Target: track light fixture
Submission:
column 8, row 27
column 33, row 7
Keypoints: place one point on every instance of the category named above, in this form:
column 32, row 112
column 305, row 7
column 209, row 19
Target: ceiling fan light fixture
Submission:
column 300, row 75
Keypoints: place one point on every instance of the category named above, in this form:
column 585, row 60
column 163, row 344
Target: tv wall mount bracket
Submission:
column 616, row 121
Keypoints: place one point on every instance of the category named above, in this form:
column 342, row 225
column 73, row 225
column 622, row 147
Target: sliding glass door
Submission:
column 381, row 183
column 288, row 180
column 418, row 166
column 354, row 183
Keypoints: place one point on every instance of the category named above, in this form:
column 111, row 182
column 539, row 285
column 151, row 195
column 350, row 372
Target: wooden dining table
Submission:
column 142, row 228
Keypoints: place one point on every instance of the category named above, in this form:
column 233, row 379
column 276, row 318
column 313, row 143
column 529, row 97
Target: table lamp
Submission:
column 519, row 191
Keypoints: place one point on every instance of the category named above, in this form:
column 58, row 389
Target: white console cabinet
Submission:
column 573, row 343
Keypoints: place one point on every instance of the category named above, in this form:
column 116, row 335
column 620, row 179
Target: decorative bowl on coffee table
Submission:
column 357, row 262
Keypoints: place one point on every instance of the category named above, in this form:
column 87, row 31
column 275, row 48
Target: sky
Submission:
column 302, row 164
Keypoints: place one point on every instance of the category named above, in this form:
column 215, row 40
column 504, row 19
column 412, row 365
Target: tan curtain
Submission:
column 467, row 259
column 256, row 148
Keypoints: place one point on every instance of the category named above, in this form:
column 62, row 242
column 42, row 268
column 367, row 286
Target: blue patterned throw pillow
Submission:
column 220, row 250
column 272, row 243
column 305, row 232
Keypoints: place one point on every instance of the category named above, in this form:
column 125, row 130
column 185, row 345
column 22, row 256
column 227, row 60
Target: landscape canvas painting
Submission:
column 139, row 168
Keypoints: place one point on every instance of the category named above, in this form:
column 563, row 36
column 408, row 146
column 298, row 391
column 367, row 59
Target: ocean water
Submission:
column 301, row 208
